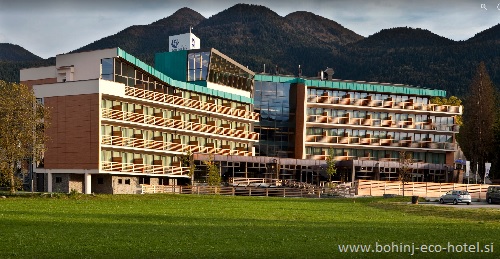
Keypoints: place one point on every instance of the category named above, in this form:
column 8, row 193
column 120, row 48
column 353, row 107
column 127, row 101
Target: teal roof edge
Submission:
column 180, row 84
column 352, row 85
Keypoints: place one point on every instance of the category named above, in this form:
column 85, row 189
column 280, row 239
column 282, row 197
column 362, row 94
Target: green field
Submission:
column 186, row 226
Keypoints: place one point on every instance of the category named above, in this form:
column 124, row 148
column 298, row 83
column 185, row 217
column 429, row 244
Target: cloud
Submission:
column 4, row 38
column 51, row 27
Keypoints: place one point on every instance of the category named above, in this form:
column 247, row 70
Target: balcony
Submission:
column 190, row 103
column 371, row 142
column 389, row 103
column 176, row 124
column 378, row 124
column 144, row 169
column 169, row 147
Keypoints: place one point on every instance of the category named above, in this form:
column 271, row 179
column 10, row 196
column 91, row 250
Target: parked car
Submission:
column 456, row 197
column 493, row 194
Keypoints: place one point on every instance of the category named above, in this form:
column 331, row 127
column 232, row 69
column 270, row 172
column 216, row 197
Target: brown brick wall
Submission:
column 73, row 133
column 300, row 118
column 31, row 83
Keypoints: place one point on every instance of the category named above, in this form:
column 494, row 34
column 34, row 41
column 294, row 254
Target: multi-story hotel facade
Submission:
column 363, row 124
column 117, row 122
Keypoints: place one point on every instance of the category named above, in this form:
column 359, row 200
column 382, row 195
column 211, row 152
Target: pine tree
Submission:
column 477, row 133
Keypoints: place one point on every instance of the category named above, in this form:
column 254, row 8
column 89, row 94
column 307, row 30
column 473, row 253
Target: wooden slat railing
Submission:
column 194, row 104
column 382, row 104
column 169, row 146
column 310, row 192
column 425, row 189
column 143, row 168
column 177, row 124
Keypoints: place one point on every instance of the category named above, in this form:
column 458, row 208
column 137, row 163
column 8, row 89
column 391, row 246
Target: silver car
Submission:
column 456, row 197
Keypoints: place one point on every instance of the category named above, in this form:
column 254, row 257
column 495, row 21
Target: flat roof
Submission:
column 361, row 86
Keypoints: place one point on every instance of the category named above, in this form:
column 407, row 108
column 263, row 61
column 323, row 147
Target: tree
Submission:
column 213, row 172
column 331, row 170
column 453, row 100
column 405, row 170
column 22, row 124
column 494, row 172
column 188, row 161
column 477, row 132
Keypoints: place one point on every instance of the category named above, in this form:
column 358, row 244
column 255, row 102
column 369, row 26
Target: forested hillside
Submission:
column 255, row 35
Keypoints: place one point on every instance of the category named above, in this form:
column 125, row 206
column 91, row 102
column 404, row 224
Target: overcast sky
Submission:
column 50, row 27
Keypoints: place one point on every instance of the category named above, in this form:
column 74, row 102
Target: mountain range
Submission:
column 254, row 35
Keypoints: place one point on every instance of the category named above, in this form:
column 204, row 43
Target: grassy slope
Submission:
column 183, row 226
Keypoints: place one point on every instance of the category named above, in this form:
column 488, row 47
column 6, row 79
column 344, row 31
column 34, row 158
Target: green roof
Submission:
column 199, row 87
column 354, row 86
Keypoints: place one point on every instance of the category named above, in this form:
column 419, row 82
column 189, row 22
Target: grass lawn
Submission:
column 186, row 226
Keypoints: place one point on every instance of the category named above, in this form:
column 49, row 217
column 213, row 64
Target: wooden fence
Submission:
column 339, row 190
column 423, row 189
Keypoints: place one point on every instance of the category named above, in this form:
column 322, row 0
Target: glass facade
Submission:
column 277, row 124
column 198, row 66
column 226, row 72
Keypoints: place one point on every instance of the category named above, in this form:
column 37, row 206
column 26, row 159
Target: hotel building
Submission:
column 364, row 124
column 117, row 123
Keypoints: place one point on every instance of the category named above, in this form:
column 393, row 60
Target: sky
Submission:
column 50, row 27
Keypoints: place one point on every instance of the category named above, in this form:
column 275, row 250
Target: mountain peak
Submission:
column 400, row 37
column 251, row 8
column 184, row 16
column 322, row 28
column 12, row 52
column 492, row 33
column 244, row 13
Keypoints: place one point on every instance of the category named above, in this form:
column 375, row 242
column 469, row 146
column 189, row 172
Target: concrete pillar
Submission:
column 87, row 183
column 49, row 181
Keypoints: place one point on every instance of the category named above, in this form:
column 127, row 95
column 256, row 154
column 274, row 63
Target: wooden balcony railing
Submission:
column 194, row 104
column 367, row 102
column 177, row 124
column 143, row 168
column 169, row 146
column 355, row 140
column 346, row 120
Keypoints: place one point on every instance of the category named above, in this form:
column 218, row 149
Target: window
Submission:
column 144, row 180
column 120, row 181
column 107, row 69
column 100, row 180
column 198, row 66
column 127, row 181
column 58, row 179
